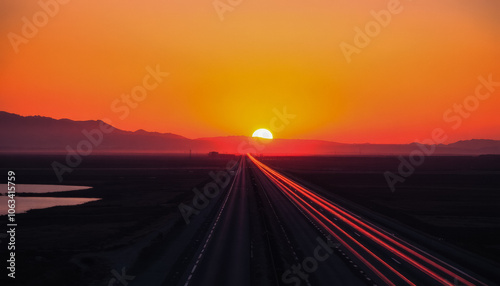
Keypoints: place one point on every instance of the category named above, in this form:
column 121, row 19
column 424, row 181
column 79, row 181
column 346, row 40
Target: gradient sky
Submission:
column 227, row 76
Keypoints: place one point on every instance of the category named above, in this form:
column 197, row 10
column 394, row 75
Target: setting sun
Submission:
column 263, row 133
column 139, row 114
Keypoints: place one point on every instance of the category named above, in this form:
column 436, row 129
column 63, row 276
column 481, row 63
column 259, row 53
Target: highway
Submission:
column 225, row 256
column 270, row 230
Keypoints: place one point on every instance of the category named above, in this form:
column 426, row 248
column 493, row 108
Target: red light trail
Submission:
column 298, row 195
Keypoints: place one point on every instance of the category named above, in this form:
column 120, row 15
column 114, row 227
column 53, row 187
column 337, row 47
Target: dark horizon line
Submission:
column 228, row 136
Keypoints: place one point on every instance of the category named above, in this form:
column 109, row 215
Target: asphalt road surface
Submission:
column 266, row 229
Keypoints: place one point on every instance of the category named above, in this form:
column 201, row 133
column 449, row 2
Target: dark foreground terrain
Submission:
column 137, row 224
column 73, row 245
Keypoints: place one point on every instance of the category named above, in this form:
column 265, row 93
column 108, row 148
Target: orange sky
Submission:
column 226, row 77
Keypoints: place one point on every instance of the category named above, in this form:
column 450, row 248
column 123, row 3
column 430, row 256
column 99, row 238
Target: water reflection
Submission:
column 27, row 188
column 24, row 204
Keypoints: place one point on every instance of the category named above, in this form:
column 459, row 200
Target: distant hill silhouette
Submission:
column 44, row 134
column 37, row 133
